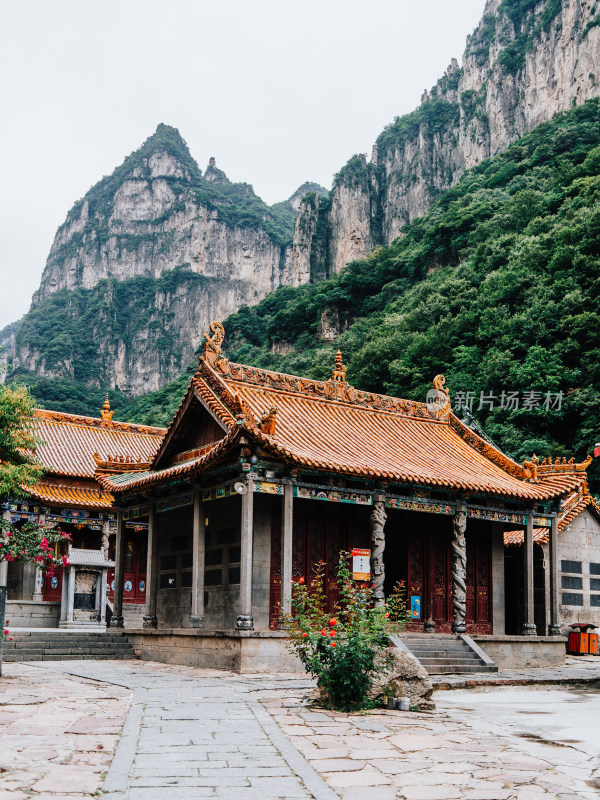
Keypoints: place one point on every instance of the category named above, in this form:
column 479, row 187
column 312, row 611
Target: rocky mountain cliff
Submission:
column 526, row 60
column 178, row 247
column 156, row 250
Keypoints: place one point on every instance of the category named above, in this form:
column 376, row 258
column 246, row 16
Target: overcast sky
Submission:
column 279, row 92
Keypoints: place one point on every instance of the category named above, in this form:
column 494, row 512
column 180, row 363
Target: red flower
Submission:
column 11, row 638
column 332, row 633
column 386, row 615
column 305, row 634
column 50, row 573
column 6, row 632
column 65, row 561
column 301, row 580
column 323, row 633
column 333, row 621
column 333, row 644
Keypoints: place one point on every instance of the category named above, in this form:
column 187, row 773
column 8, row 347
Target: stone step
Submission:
column 446, row 659
column 35, row 646
column 445, row 654
column 66, row 657
column 453, row 669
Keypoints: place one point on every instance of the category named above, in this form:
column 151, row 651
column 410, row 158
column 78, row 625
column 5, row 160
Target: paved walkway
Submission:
column 58, row 733
column 197, row 733
column 577, row 669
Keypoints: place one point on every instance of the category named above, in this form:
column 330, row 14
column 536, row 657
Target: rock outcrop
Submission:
column 525, row 62
column 156, row 215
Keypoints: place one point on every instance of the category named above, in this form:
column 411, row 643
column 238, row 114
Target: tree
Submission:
column 18, row 466
column 30, row 542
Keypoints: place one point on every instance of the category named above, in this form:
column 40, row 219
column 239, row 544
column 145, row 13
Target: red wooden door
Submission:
column 479, row 610
column 320, row 532
column 439, row 575
column 52, row 586
column 134, row 575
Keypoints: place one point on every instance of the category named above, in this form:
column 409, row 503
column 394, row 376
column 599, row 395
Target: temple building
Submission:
column 578, row 562
column 261, row 475
column 73, row 449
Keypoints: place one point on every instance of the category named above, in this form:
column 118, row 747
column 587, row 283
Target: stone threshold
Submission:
column 201, row 633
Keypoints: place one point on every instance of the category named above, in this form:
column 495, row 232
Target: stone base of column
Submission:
column 283, row 623
column 429, row 626
column 528, row 629
column 554, row 630
column 196, row 622
column 459, row 627
column 245, row 622
column 117, row 622
column 149, row 621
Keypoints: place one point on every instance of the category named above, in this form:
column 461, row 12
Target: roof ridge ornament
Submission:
column 438, row 399
column 337, row 387
column 106, row 414
column 549, row 467
column 212, row 347
column 266, row 423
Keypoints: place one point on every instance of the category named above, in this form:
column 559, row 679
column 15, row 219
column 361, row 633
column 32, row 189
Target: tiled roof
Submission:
column 88, row 558
column 331, row 427
column 68, row 442
column 571, row 507
column 71, row 493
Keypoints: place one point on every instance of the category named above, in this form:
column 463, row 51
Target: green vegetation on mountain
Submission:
column 67, row 327
column 496, row 286
column 234, row 203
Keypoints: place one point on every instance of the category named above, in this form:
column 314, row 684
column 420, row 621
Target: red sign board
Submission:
column 361, row 565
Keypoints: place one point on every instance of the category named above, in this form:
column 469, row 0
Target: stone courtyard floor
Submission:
column 192, row 733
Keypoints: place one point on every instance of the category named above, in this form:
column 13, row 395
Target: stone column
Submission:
column 4, row 564
column 103, row 581
column 37, row 587
column 528, row 627
column 497, row 587
column 71, row 595
column 150, row 618
column 554, row 626
column 64, row 595
column 459, row 568
column 245, row 621
column 117, row 617
column 199, row 548
column 378, row 519
column 287, row 528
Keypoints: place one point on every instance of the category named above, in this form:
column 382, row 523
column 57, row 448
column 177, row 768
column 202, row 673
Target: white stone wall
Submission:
column 580, row 543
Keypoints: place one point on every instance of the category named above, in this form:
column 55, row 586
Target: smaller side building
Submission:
column 578, row 558
column 72, row 448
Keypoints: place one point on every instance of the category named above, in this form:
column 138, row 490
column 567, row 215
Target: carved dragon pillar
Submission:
column 378, row 519
column 459, row 569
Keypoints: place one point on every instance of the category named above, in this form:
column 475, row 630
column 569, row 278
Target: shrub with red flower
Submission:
column 33, row 543
column 341, row 651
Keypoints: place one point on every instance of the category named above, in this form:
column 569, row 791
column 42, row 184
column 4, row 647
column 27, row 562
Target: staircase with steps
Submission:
column 61, row 646
column 447, row 653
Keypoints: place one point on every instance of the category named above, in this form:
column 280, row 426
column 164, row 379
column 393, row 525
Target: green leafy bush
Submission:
column 341, row 649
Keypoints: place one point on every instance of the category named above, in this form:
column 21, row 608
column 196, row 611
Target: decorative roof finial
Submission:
column 106, row 413
column 212, row 345
column 438, row 399
column 339, row 371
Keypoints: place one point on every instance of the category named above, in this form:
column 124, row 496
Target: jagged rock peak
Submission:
column 215, row 175
column 303, row 190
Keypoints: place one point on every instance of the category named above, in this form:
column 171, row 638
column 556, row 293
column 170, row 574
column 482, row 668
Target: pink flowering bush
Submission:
column 5, row 633
column 33, row 543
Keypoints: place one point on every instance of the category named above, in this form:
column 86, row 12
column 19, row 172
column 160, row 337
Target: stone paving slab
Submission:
column 58, row 732
column 194, row 733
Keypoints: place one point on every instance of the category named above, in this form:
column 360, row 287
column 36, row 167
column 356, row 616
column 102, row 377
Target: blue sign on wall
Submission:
column 415, row 606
